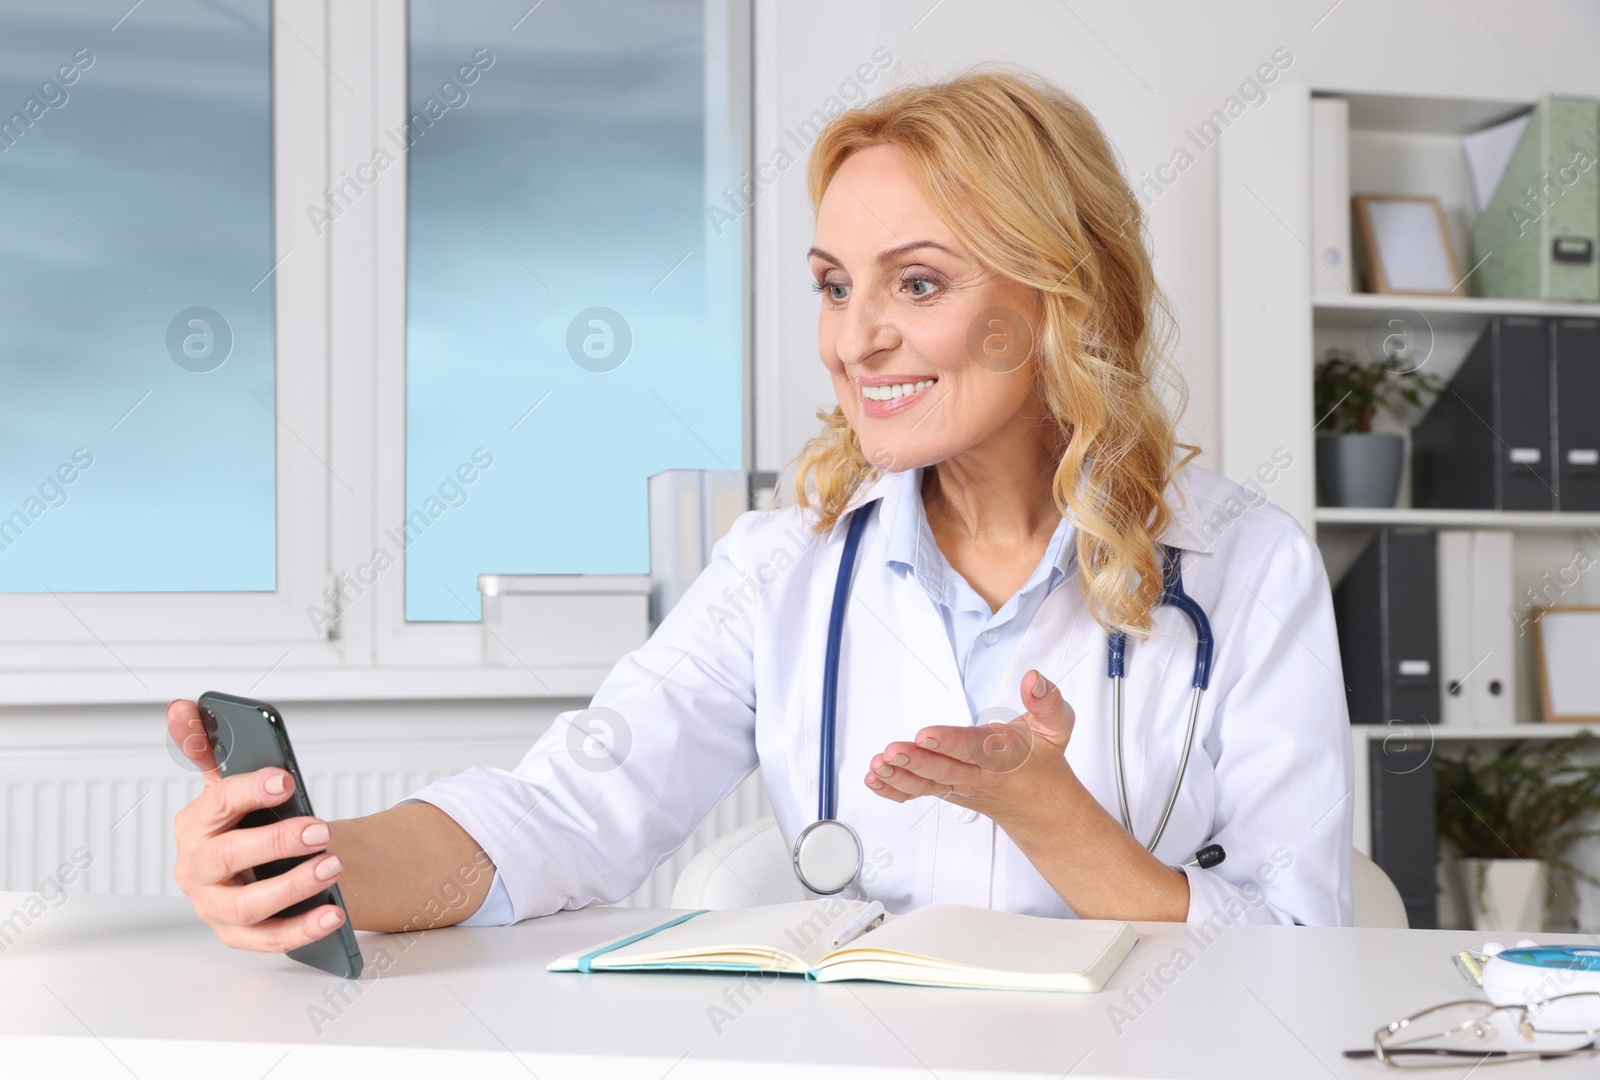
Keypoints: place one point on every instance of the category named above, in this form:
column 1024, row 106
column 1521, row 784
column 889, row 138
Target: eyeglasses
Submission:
column 1450, row 1034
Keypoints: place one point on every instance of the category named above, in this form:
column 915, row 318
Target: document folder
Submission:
column 1576, row 347
column 1387, row 610
column 1404, row 840
column 1538, row 238
column 1487, row 442
column 1477, row 662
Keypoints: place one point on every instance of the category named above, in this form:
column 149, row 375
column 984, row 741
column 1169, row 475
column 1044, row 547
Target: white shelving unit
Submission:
column 1519, row 520
column 1504, row 732
column 1357, row 309
column 1275, row 322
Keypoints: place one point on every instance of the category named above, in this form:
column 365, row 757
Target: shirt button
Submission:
column 990, row 636
column 963, row 814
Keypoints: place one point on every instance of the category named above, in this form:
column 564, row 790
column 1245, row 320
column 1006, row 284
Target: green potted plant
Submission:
column 1355, row 465
column 1511, row 815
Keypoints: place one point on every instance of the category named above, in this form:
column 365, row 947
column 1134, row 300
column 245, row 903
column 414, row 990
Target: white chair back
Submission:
column 1376, row 901
column 749, row 866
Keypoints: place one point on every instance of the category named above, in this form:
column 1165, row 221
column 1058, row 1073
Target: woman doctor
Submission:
column 989, row 320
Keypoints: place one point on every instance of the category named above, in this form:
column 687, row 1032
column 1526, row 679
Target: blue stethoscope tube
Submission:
column 1172, row 595
column 827, row 797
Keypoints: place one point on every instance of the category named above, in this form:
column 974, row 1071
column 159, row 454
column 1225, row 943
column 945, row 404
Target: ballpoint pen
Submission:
column 870, row 916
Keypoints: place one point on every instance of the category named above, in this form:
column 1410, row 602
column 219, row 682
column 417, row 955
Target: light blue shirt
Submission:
column 983, row 641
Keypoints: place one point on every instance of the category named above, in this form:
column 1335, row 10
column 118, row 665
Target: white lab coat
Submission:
column 731, row 681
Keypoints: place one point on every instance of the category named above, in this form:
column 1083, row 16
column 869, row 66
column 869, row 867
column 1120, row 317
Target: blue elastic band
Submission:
column 586, row 961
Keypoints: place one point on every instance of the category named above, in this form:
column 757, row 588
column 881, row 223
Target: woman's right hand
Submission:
column 215, row 859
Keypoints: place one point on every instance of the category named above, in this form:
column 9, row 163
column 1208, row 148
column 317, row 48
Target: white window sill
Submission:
column 118, row 687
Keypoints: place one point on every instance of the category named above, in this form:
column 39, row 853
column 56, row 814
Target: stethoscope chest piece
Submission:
column 827, row 856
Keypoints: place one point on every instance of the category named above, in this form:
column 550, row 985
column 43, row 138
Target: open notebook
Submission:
column 939, row 945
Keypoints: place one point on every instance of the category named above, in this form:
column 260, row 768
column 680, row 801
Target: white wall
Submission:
column 1148, row 71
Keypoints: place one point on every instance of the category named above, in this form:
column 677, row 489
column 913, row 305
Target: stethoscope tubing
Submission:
column 1172, row 595
column 1183, row 762
column 827, row 797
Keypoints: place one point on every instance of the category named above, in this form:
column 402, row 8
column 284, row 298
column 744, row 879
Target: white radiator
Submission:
column 120, row 812
column 108, row 800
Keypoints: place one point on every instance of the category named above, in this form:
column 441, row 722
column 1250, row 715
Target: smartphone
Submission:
column 247, row 735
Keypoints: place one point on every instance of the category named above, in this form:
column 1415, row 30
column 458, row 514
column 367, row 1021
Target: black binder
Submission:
column 1575, row 344
column 1404, row 840
column 1387, row 612
column 1488, row 441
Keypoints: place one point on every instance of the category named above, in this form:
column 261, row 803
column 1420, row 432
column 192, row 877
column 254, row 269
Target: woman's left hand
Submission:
column 1011, row 773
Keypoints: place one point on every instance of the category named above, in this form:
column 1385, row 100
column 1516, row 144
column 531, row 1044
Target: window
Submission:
column 137, row 443
column 299, row 311
column 573, row 305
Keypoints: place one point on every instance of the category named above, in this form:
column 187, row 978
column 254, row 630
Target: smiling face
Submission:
column 930, row 352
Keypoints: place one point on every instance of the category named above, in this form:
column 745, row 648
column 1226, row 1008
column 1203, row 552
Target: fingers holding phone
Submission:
column 251, row 857
column 190, row 746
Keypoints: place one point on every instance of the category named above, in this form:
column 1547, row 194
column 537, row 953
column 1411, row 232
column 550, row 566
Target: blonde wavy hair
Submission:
column 1022, row 174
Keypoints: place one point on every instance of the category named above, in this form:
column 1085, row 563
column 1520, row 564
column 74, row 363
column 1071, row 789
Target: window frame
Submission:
column 339, row 78
column 118, row 637
column 391, row 639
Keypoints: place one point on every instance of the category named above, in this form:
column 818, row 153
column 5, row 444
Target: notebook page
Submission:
column 803, row 930
column 988, row 940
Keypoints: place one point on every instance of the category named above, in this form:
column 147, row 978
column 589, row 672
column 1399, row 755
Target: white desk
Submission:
column 120, row 986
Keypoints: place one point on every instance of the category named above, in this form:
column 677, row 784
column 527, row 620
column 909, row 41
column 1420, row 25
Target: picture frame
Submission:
column 1566, row 640
column 1405, row 246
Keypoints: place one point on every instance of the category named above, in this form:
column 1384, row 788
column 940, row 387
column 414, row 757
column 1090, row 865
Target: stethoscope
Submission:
column 828, row 853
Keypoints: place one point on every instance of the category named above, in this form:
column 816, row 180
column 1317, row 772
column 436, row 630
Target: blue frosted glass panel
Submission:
column 136, row 327
column 556, row 169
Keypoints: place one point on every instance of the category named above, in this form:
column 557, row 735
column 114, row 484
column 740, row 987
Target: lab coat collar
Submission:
column 882, row 486
column 1185, row 531
column 910, row 546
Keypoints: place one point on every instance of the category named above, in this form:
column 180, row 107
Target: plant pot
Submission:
column 1506, row 894
column 1359, row 469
